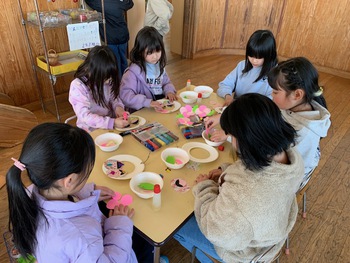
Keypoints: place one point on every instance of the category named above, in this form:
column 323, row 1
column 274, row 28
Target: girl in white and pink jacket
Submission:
column 94, row 93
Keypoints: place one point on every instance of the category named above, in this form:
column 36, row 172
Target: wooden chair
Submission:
column 257, row 259
column 68, row 120
column 5, row 99
column 15, row 124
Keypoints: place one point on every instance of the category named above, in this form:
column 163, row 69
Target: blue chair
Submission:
column 257, row 259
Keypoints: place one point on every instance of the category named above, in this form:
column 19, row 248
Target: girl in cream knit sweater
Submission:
column 244, row 208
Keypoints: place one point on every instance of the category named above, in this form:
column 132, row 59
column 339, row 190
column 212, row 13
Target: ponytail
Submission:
column 24, row 213
column 50, row 152
column 318, row 97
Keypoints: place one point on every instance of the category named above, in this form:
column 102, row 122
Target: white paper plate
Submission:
column 213, row 153
column 141, row 122
column 177, row 106
column 137, row 162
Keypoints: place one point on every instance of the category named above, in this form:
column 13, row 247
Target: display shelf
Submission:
column 49, row 70
column 52, row 22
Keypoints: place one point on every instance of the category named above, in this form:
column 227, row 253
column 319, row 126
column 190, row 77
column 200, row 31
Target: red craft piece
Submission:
column 221, row 148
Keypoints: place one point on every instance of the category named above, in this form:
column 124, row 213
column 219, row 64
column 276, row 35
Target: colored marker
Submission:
column 168, row 137
column 174, row 137
column 160, row 141
column 162, row 138
column 154, row 140
column 148, row 146
column 155, row 146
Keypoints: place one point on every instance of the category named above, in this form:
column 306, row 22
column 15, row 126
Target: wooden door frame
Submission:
column 188, row 39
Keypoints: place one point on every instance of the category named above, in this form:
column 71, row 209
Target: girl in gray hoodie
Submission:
column 297, row 93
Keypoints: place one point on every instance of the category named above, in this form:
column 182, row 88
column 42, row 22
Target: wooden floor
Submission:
column 324, row 235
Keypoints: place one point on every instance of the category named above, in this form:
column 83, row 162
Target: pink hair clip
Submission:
column 18, row 164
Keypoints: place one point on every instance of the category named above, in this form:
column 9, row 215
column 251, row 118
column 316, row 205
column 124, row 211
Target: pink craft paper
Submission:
column 185, row 121
column 186, row 111
column 202, row 111
column 119, row 199
column 125, row 116
column 178, row 161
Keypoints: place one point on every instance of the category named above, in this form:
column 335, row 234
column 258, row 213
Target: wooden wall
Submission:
column 318, row 29
column 16, row 74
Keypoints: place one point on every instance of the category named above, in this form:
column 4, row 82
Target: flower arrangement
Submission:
column 190, row 116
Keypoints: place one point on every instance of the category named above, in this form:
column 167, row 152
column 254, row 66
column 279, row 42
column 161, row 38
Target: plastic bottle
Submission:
column 199, row 99
column 188, row 84
column 157, row 201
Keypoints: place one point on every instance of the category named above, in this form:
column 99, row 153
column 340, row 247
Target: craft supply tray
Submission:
column 194, row 130
column 190, row 120
column 154, row 136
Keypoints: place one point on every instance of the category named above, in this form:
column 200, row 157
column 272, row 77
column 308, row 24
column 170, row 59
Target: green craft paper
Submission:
column 195, row 107
column 170, row 159
column 30, row 259
column 211, row 113
column 146, row 186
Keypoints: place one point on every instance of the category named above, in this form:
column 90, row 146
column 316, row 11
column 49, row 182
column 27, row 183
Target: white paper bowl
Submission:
column 205, row 90
column 145, row 177
column 209, row 142
column 179, row 155
column 109, row 141
column 189, row 97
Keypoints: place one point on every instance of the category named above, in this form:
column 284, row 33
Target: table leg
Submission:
column 156, row 255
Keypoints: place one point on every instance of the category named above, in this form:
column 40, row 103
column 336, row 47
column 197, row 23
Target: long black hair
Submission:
column 51, row 151
column 148, row 39
column 259, row 128
column 99, row 66
column 297, row 73
column 261, row 44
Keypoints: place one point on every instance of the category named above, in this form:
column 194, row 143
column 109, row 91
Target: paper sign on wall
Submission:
column 83, row 35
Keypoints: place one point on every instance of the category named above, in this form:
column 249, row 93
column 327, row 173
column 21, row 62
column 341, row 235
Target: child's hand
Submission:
column 218, row 136
column 212, row 121
column 171, row 96
column 215, row 174
column 158, row 106
column 122, row 210
column 222, row 179
column 106, row 193
column 120, row 123
column 201, row 177
column 228, row 100
column 119, row 112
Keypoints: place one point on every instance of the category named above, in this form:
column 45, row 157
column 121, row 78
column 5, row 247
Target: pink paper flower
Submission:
column 119, row 199
column 185, row 121
column 202, row 111
column 187, row 111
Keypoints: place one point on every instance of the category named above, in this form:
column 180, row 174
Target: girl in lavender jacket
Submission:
column 94, row 92
column 58, row 219
column 146, row 81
